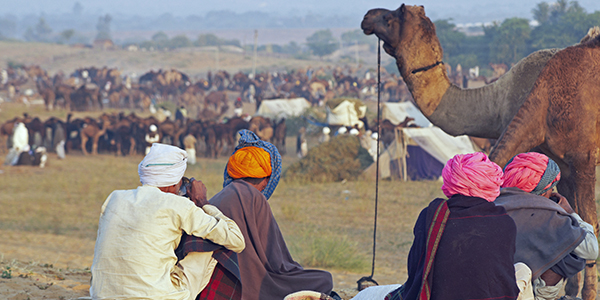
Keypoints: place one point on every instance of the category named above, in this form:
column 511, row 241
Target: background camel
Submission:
column 562, row 117
column 409, row 36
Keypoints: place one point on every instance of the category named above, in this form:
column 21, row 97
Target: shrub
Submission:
column 340, row 158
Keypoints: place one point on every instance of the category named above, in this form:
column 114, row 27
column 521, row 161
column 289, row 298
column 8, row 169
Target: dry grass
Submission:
column 54, row 58
column 326, row 225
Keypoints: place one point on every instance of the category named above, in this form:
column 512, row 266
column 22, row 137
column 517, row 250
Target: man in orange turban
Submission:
column 249, row 162
column 267, row 269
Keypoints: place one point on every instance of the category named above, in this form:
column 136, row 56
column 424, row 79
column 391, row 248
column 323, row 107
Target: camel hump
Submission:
column 592, row 33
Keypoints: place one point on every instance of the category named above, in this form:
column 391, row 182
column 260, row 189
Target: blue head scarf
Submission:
column 250, row 139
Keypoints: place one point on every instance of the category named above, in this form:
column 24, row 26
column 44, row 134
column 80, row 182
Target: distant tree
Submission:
column 511, row 41
column 77, row 8
column 322, row 43
column 40, row 33
column 541, row 12
column 179, row 41
column 291, row 48
column 66, row 35
column 568, row 24
column 208, row 39
column 160, row 40
column 451, row 39
column 357, row 36
column 103, row 28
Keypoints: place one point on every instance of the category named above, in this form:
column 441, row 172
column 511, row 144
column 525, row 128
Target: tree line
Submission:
column 559, row 25
column 556, row 25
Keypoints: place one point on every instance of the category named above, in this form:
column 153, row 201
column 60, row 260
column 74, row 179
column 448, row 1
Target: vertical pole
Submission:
column 254, row 60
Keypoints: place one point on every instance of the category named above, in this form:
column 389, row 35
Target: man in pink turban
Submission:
column 464, row 245
column 551, row 238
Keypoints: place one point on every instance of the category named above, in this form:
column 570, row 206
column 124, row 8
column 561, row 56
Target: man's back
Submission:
column 267, row 268
column 134, row 253
column 545, row 232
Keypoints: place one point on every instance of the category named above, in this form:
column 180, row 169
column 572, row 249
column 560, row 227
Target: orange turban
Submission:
column 250, row 162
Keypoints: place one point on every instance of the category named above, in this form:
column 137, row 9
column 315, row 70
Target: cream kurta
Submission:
column 134, row 256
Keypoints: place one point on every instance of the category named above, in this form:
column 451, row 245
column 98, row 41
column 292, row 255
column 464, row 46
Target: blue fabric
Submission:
column 250, row 139
column 552, row 170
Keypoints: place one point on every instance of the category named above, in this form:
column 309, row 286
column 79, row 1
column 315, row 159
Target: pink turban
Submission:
column 472, row 174
column 532, row 172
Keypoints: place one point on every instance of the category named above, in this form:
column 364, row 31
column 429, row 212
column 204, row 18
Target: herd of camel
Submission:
column 94, row 88
column 122, row 134
column 549, row 101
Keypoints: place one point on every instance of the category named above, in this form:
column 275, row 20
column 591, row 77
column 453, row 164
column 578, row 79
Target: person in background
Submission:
column 151, row 137
column 301, row 143
column 189, row 143
column 324, row 138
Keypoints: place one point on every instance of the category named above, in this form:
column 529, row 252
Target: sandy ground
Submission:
column 48, row 266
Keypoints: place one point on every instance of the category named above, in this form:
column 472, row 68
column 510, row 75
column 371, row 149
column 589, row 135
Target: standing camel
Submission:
column 409, row 36
column 561, row 116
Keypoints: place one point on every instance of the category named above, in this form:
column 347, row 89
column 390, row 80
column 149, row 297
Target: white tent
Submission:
column 282, row 108
column 346, row 114
column 397, row 113
column 435, row 142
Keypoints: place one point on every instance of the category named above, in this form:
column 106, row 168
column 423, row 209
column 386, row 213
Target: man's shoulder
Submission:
column 516, row 199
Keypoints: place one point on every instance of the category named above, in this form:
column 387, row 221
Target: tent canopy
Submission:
column 397, row 113
column 282, row 108
column 433, row 140
column 347, row 113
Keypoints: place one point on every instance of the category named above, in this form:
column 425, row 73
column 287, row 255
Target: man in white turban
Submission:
column 140, row 229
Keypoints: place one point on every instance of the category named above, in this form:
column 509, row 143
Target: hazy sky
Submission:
column 459, row 10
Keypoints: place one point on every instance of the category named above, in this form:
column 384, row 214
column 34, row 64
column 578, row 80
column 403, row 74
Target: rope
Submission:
column 370, row 278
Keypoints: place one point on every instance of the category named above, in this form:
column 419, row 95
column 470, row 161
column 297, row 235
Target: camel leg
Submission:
column 578, row 187
column 131, row 145
column 84, row 140
column 95, row 145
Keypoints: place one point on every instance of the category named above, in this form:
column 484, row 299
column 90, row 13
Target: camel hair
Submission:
column 409, row 36
column 561, row 116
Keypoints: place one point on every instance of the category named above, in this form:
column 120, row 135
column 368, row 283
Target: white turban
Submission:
column 163, row 166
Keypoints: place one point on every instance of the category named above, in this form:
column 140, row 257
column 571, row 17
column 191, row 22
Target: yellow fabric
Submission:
column 250, row 162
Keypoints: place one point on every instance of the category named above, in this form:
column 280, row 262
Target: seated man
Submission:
column 266, row 267
column 463, row 246
column 139, row 229
column 551, row 238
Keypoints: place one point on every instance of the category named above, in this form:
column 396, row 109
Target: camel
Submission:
column 262, row 127
column 561, row 116
column 91, row 130
column 279, row 135
column 409, row 36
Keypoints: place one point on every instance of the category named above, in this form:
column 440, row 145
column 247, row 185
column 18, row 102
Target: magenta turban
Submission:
column 532, row 172
column 472, row 174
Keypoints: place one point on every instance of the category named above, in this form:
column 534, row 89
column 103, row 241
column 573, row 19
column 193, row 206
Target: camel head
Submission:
column 407, row 34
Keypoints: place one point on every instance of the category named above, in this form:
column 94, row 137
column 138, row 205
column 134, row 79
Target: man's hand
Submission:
column 562, row 201
column 197, row 192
